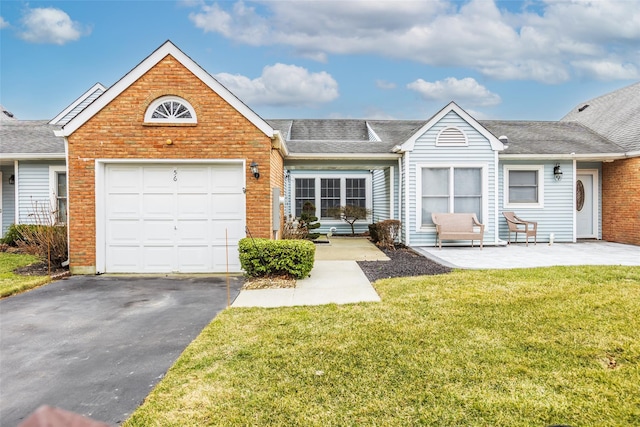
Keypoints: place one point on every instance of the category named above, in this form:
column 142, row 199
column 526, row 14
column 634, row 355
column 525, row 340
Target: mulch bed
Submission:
column 404, row 262
column 42, row 269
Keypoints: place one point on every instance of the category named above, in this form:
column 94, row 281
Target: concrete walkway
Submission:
column 540, row 255
column 336, row 278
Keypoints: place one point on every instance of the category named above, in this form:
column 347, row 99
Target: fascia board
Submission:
column 496, row 144
column 149, row 62
column 345, row 156
column 572, row 156
column 77, row 102
column 33, row 156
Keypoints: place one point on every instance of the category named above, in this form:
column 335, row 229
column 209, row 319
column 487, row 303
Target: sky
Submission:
column 508, row 60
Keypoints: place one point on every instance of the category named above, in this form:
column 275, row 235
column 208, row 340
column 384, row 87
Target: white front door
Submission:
column 173, row 218
column 587, row 204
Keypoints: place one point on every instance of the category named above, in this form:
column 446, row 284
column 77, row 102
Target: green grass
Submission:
column 11, row 283
column 529, row 347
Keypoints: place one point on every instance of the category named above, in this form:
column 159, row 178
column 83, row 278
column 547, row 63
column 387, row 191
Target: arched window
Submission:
column 451, row 136
column 170, row 109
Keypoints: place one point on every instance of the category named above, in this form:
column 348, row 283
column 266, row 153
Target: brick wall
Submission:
column 621, row 201
column 118, row 132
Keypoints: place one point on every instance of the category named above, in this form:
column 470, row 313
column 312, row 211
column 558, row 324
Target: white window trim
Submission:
column 444, row 144
column 505, row 186
column 343, row 178
column 484, row 173
column 152, row 107
column 53, row 190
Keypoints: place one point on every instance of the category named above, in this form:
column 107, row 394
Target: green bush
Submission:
column 264, row 257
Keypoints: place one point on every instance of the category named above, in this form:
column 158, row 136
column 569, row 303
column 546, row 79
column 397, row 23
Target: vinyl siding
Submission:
column 8, row 198
column 380, row 181
column 33, row 191
column 478, row 153
column 556, row 215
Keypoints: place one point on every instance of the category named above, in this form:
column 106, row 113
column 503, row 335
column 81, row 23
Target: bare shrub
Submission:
column 385, row 233
column 293, row 229
column 44, row 238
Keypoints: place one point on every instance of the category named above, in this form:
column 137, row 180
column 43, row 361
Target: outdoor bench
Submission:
column 457, row 226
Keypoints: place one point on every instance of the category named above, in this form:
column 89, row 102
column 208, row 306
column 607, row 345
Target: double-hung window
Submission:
column 523, row 186
column 58, row 185
column 448, row 189
column 330, row 192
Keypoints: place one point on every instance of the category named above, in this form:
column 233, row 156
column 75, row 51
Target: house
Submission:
column 168, row 170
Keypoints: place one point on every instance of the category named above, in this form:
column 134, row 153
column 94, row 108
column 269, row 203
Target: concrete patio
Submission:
column 540, row 255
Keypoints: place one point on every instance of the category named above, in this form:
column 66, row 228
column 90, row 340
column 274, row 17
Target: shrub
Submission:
column 293, row 230
column 384, row 233
column 47, row 242
column 12, row 235
column 309, row 220
column 264, row 257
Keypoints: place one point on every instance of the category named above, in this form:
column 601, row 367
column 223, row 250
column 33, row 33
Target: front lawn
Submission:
column 11, row 283
column 531, row 347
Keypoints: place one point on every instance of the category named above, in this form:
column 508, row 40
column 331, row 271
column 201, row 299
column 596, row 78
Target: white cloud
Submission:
column 543, row 43
column 3, row 23
column 282, row 84
column 50, row 25
column 382, row 84
column 465, row 91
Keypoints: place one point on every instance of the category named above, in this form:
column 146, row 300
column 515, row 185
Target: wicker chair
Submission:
column 519, row 225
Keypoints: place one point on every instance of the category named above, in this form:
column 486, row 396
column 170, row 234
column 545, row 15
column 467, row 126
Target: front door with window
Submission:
column 587, row 204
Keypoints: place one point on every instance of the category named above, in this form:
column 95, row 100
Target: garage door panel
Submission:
column 193, row 180
column 123, row 180
column 125, row 259
column 124, row 232
column 158, row 179
column 123, row 206
column 193, row 206
column 159, row 259
column 158, row 206
column 227, row 179
column 158, row 232
column 163, row 218
column 196, row 231
column 194, row 258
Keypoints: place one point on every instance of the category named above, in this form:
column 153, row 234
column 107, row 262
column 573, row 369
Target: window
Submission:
column 305, row 192
column 331, row 192
column 451, row 189
column 170, row 109
column 523, row 186
column 58, row 188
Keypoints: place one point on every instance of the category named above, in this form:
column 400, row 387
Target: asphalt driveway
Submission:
column 97, row 345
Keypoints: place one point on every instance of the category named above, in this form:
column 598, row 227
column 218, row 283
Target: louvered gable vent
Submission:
column 451, row 136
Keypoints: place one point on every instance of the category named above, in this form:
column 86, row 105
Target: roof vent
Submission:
column 584, row 107
column 8, row 113
column 505, row 141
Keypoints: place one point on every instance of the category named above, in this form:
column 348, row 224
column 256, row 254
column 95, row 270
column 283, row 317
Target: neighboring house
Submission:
column 616, row 116
column 168, row 170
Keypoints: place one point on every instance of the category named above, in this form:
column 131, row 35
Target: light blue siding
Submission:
column 8, row 198
column 34, row 198
column 478, row 153
column 381, row 191
column 556, row 216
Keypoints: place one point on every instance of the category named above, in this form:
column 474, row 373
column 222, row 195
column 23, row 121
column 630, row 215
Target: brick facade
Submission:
column 118, row 131
column 621, row 201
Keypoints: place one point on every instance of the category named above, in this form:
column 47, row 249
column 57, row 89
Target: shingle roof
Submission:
column 344, row 136
column 529, row 137
column 615, row 115
column 29, row 137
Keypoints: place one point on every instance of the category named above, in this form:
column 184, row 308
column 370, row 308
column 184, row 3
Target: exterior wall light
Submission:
column 12, row 179
column 254, row 170
column 557, row 172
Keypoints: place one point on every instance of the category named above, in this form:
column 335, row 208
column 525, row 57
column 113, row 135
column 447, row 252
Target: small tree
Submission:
column 350, row 214
column 309, row 220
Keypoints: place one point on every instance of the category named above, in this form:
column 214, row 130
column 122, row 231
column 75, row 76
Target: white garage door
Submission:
column 167, row 218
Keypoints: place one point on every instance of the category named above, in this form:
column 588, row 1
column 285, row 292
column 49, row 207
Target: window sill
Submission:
column 169, row 124
column 523, row 206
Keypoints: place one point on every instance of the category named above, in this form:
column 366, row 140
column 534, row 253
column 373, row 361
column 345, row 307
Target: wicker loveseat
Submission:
column 458, row 226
